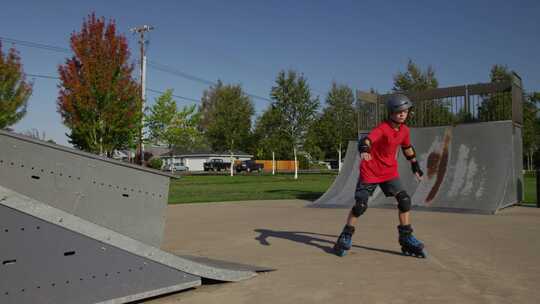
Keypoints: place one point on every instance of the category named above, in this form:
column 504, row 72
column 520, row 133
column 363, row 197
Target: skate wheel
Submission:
column 420, row 255
column 339, row 251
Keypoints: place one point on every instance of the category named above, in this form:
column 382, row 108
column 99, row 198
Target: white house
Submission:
column 195, row 160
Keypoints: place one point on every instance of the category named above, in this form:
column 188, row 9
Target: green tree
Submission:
column 500, row 73
column 497, row 106
column 99, row 101
column 226, row 117
column 426, row 112
column 292, row 99
column 160, row 119
column 414, row 79
column 336, row 125
column 175, row 128
column 531, row 129
column 269, row 136
column 14, row 89
column 317, row 143
column 184, row 130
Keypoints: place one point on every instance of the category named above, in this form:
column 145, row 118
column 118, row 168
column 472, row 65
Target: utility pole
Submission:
column 142, row 30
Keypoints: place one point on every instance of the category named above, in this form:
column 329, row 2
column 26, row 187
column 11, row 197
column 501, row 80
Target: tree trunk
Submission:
column 232, row 162
column 339, row 158
column 232, row 165
column 100, row 146
column 295, row 165
column 532, row 160
column 273, row 163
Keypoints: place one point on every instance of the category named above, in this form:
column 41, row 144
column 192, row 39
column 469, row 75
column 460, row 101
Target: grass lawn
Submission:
column 530, row 190
column 204, row 188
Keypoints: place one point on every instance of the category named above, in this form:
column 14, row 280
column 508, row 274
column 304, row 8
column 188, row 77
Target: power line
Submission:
column 227, row 58
column 176, row 72
column 152, row 64
column 41, row 76
column 149, row 89
column 36, row 45
column 174, row 95
column 164, row 68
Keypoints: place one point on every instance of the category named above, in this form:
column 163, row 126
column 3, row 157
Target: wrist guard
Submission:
column 364, row 145
column 416, row 168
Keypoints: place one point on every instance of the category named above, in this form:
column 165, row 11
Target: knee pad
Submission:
column 361, row 203
column 404, row 201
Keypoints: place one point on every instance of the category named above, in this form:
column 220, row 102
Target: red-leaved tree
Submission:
column 14, row 89
column 99, row 100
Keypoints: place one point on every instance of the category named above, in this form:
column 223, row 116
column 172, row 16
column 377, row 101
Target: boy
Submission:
column 379, row 167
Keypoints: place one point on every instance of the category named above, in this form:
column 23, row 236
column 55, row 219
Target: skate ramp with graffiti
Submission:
column 470, row 167
column 79, row 228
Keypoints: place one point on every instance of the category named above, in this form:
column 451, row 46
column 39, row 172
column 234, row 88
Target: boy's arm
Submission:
column 407, row 148
column 364, row 144
column 409, row 152
column 410, row 155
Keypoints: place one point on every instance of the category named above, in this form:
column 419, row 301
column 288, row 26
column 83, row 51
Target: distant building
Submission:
column 129, row 155
column 195, row 160
column 156, row 151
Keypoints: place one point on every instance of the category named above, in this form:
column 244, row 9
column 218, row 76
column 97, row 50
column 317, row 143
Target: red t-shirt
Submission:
column 385, row 141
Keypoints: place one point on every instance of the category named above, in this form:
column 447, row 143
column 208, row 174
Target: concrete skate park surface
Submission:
column 472, row 258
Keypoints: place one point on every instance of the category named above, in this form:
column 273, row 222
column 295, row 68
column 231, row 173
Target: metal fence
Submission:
column 450, row 106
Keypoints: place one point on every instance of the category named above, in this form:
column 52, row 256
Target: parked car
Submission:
column 176, row 167
column 248, row 166
column 334, row 164
column 216, row 164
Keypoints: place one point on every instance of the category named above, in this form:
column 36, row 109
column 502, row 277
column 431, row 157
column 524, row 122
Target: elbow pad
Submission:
column 364, row 145
column 409, row 157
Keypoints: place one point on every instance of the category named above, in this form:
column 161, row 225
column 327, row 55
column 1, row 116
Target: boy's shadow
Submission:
column 309, row 238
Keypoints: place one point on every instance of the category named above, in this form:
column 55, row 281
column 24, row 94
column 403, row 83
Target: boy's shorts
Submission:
column 389, row 188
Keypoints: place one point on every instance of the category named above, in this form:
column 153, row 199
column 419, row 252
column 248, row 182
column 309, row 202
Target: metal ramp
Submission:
column 468, row 168
column 78, row 228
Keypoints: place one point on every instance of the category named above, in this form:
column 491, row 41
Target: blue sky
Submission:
column 358, row 43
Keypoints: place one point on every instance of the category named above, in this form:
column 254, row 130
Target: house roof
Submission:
column 177, row 152
column 157, row 151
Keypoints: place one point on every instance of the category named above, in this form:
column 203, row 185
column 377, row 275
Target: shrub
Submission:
column 155, row 163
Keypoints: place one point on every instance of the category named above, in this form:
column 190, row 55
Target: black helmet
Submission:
column 397, row 103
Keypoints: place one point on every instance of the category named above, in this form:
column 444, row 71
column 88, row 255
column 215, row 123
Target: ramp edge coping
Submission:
column 84, row 154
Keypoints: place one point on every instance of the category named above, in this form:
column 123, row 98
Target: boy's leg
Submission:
column 395, row 189
column 409, row 244
column 404, row 208
column 361, row 195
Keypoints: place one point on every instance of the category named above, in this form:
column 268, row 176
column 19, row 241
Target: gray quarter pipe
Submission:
column 470, row 167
